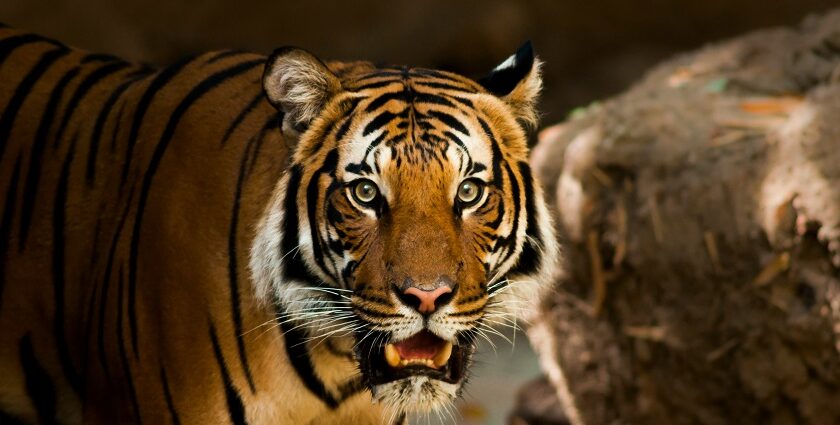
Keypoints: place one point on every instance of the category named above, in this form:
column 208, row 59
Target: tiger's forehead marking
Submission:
column 414, row 119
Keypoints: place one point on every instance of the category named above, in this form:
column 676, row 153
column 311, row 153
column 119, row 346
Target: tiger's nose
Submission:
column 427, row 301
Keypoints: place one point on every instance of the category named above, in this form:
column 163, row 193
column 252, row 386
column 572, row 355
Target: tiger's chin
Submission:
column 415, row 375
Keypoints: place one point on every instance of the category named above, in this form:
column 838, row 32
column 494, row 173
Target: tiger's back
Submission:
column 111, row 302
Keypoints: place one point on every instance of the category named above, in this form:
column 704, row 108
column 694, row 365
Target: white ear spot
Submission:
column 517, row 82
column 510, row 62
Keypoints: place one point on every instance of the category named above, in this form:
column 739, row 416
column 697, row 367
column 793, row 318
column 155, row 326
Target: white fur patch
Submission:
column 265, row 262
column 510, row 62
column 418, row 394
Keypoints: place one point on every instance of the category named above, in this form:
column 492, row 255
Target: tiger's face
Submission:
column 409, row 223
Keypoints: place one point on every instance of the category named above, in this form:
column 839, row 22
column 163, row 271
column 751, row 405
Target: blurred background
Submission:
column 592, row 49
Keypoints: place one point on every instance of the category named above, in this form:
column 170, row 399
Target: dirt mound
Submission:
column 701, row 211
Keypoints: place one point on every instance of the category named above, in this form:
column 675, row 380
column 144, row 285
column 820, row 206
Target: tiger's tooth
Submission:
column 442, row 357
column 392, row 357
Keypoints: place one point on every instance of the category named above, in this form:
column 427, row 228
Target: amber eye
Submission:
column 469, row 192
column 365, row 191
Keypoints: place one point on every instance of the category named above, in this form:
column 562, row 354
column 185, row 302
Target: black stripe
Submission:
column 343, row 129
column 460, row 143
column 401, row 95
column 464, row 101
column 377, row 314
column 22, row 91
column 384, row 71
column 347, row 272
column 100, row 57
column 233, row 270
column 470, row 299
column 91, row 303
column 530, row 258
column 104, row 112
column 415, row 72
column 293, row 267
column 298, row 353
column 431, row 98
column 106, row 281
column 272, row 123
column 126, row 368
column 500, row 215
column 335, row 247
column 235, row 408
column 373, row 146
column 450, row 121
column 170, row 405
column 10, row 44
column 39, row 385
column 377, row 84
column 351, row 387
column 313, row 189
column 115, row 133
column 224, row 54
column 477, row 167
column 508, row 243
column 6, row 224
column 59, row 210
column 36, row 159
column 344, row 117
column 475, row 311
column 196, row 93
column 82, row 90
column 443, row 86
column 160, row 80
column 241, row 116
column 497, row 153
column 380, row 121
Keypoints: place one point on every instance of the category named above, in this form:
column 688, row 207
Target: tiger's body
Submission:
column 141, row 275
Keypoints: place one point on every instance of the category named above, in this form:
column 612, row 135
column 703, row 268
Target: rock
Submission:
column 701, row 214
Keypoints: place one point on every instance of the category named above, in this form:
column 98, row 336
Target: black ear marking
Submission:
column 505, row 77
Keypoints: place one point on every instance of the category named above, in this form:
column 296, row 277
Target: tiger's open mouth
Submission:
column 423, row 354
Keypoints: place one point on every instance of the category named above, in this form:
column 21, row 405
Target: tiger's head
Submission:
column 408, row 223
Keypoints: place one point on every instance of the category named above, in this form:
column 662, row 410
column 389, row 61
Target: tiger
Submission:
column 249, row 239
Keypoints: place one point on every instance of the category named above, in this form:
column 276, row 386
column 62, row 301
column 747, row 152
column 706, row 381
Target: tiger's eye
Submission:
column 365, row 191
column 468, row 192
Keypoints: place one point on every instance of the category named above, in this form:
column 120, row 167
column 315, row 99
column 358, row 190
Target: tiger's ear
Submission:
column 299, row 85
column 518, row 82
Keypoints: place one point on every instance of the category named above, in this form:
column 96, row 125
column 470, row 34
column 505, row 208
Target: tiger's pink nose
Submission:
column 428, row 299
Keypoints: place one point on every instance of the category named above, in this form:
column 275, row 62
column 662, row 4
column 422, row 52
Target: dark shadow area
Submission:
column 591, row 49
